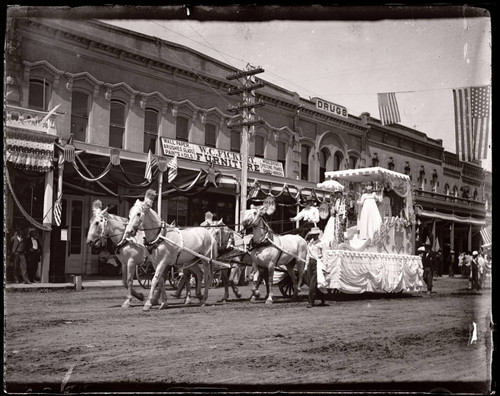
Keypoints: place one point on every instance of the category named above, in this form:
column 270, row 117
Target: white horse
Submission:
column 104, row 225
column 270, row 250
column 182, row 248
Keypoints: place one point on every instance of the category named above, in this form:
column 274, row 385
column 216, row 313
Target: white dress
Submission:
column 369, row 219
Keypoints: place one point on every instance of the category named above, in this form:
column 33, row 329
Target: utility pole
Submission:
column 246, row 108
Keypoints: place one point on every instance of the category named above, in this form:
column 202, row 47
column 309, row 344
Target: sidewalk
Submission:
column 92, row 281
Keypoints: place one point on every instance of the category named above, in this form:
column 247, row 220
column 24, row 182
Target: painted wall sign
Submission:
column 331, row 108
column 219, row 157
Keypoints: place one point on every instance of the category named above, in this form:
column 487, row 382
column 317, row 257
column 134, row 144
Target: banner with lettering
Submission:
column 219, row 157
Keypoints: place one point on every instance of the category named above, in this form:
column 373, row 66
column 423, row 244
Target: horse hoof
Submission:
column 126, row 304
column 162, row 306
column 257, row 294
column 253, row 299
column 269, row 302
column 146, row 307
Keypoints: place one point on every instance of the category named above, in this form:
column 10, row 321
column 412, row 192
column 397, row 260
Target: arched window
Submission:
column 304, row 162
column 447, row 189
column 116, row 124
column 455, row 191
column 475, row 194
column 210, row 135
column 375, row 160
column 150, row 130
column 407, row 168
column 353, row 161
column 79, row 115
column 282, row 154
column 434, row 180
column 182, row 129
column 235, row 140
column 421, row 178
column 324, row 156
column 38, row 96
column 259, row 146
column 390, row 164
column 337, row 160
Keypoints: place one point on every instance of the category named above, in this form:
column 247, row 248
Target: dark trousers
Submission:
column 428, row 277
column 312, row 277
column 32, row 265
column 475, row 277
column 303, row 229
column 20, row 267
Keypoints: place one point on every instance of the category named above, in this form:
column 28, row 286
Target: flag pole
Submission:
column 160, row 188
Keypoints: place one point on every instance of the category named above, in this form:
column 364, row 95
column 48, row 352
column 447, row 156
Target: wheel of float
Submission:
column 216, row 279
column 174, row 276
column 286, row 287
column 144, row 273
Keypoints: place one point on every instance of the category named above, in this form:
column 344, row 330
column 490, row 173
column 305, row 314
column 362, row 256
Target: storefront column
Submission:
column 434, row 234
column 48, row 201
column 452, row 236
column 469, row 238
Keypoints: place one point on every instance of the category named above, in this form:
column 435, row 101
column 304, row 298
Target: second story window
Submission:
column 79, row 115
column 116, row 124
column 235, row 141
column 182, row 129
column 38, row 98
column 150, row 130
column 375, row 160
column 390, row 164
column 304, row 162
column 282, row 154
column 324, row 155
column 352, row 162
column 210, row 135
column 259, row 146
column 337, row 161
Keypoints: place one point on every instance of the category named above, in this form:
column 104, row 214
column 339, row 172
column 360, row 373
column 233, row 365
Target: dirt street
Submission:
column 85, row 342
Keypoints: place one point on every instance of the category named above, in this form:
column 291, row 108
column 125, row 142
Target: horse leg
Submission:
column 163, row 291
column 300, row 274
column 296, row 283
column 225, row 282
column 198, row 275
column 128, row 271
column 269, row 283
column 126, row 304
column 234, row 278
column 208, row 271
column 256, row 285
column 154, row 283
column 187, row 285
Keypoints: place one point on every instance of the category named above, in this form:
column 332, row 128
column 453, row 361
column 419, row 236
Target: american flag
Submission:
column 57, row 212
column 172, row 169
column 151, row 161
column 388, row 108
column 472, row 122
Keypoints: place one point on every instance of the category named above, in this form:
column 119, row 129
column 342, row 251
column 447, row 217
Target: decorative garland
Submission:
column 23, row 211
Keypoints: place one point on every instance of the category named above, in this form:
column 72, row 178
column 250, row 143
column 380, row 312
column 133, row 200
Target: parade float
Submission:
column 385, row 261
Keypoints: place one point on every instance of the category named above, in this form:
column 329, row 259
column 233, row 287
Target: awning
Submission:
column 366, row 174
column 450, row 217
column 30, row 150
column 486, row 235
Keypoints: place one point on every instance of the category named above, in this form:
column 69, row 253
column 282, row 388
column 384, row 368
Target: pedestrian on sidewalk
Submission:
column 33, row 254
column 429, row 264
column 19, row 256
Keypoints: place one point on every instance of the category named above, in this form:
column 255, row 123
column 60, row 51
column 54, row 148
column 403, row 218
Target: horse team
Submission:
column 198, row 249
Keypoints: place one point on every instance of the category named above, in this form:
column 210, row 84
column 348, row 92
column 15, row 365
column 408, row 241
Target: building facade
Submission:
column 87, row 101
